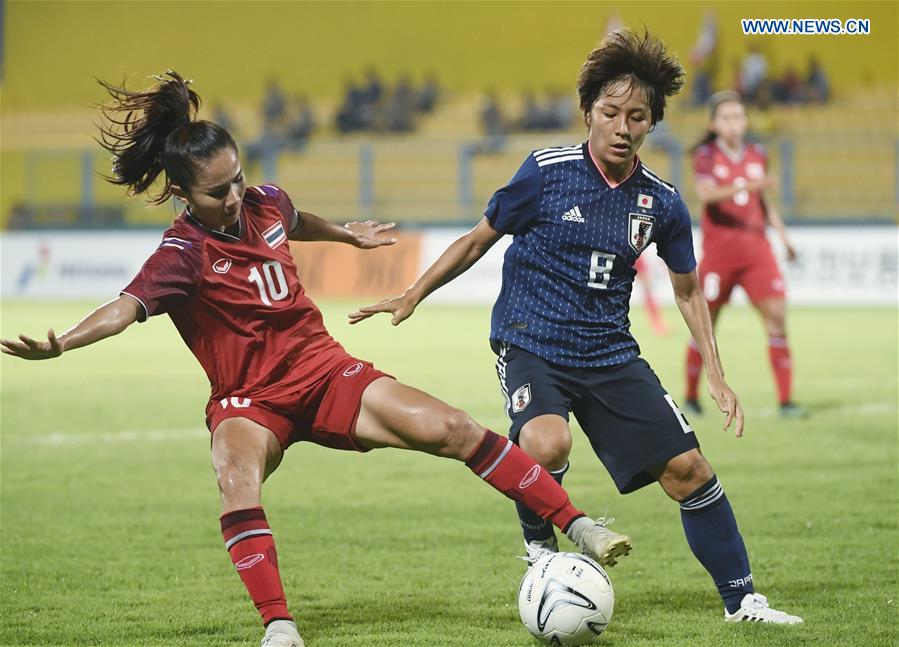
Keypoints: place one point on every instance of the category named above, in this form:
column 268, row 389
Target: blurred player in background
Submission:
column 224, row 274
column 653, row 311
column 731, row 177
column 580, row 216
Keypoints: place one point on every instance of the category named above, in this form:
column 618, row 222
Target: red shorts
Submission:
column 325, row 413
column 756, row 271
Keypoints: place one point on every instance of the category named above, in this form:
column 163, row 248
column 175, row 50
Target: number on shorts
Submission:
column 275, row 287
column 711, row 286
column 680, row 416
column 600, row 270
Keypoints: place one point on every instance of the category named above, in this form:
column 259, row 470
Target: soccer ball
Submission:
column 565, row 599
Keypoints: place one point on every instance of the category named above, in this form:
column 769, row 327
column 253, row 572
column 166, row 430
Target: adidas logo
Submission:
column 573, row 214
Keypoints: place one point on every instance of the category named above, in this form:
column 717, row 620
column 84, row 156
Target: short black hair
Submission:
column 643, row 61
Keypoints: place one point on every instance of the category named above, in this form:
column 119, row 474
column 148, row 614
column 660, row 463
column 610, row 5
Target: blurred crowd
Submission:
column 751, row 75
column 373, row 106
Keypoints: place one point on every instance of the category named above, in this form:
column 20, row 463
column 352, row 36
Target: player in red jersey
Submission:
column 731, row 177
column 225, row 276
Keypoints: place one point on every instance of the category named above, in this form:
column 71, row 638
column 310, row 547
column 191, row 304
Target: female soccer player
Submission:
column 580, row 216
column 731, row 177
column 224, row 274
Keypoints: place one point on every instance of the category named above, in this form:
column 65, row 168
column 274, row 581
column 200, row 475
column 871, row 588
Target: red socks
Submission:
column 249, row 541
column 694, row 369
column 506, row 467
column 781, row 364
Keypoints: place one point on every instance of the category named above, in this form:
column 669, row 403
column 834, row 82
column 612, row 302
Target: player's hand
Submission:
column 401, row 307
column 27, row 348
column 370, row 234
column 766, row 183
column 791, row 251
column 728, row 404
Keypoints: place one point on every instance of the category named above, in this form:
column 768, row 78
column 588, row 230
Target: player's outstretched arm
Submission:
column 364, row 235
column 695, row 311
column 107, row 320
column 458, row 257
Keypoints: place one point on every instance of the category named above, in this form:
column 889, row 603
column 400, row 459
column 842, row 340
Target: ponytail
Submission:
column 154, row 131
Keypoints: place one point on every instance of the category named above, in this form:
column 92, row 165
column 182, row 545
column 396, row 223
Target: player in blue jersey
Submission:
column 580, row 216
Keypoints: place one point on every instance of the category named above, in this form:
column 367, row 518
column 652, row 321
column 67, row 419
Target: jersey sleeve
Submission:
column 703, row 162
column 675, row 244
column 513, row 208
column 166, row 279
column 285, row 205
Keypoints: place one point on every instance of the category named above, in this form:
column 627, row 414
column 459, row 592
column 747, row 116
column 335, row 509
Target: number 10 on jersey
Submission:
column 274, row 287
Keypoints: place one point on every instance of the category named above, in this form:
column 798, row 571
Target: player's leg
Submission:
column 649, row 300
column 392, row 414
column 773, row 312
column 765, row 287
column 547, row 439
column 244, row 453
column 717, row 279
column 712, row 533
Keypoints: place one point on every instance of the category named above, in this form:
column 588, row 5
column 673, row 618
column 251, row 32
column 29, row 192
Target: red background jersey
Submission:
column 237, row 301
column 744, row 212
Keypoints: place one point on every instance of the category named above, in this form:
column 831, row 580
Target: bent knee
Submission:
column 684, row 474
column 548, row 445
column 458, row 434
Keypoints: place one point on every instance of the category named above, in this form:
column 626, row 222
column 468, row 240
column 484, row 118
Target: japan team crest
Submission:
column 521, row 398
column 640, row 229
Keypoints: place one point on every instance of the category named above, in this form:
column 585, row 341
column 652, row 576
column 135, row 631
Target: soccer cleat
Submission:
column 754, row 608
column 602, row 544
column 282, row 633
column 538, row 549
column 691, row 406
column 790, row 410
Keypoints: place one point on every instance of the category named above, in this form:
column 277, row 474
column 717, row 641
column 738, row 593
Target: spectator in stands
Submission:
column 754, row 73
column 559, row 109
column 818, row 87
column 300, row 124
column 531, row 115
column 398, row 107
column 373, row 90
column 356, row 112
column 273, row 106
column 428, row 94
column 493, row 123
column 789, row 88
column 222, row 117
column 704, row 58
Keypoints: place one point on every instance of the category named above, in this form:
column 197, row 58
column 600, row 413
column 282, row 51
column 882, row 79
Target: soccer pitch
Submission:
column 110, row 510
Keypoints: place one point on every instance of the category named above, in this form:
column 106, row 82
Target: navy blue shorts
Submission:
column 631, row 421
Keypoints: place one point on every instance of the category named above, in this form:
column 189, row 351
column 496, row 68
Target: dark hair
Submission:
column 644, row 62
column 153, row 131
column 715, row 101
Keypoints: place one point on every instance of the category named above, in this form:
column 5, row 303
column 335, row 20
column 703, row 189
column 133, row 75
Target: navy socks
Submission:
column 714, row 538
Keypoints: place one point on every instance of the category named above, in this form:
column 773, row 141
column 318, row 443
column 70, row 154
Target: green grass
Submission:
column 110, row 513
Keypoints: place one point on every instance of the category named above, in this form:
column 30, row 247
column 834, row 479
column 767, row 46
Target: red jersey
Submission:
column 237, row 300
column 744, row 212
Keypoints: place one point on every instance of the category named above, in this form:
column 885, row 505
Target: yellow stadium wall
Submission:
column 53, row 49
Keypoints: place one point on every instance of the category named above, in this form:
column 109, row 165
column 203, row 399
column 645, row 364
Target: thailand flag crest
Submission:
column 275, row 235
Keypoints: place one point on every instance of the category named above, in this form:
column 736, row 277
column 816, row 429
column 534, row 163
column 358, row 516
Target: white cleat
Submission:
column 602, row 544
column 754, row 608
column 538, row 549
column 282, row 633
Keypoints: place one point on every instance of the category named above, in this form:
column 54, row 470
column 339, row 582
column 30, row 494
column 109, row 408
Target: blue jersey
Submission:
column 568, row 273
